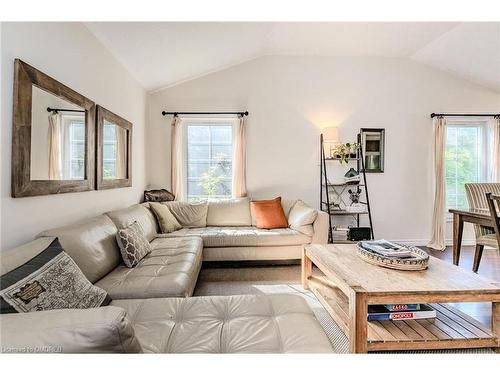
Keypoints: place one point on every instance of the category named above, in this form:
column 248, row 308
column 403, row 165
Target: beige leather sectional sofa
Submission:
column 149, row 311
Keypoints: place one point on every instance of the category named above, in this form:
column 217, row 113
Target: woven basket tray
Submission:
column 419, row 261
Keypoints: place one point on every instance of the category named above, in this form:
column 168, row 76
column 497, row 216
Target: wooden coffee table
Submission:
column 346, row 285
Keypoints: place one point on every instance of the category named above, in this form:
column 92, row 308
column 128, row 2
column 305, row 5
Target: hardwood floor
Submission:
column 490, row 262
column 489, row 268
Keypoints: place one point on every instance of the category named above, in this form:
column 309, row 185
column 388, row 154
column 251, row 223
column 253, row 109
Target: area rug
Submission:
column 217, row 282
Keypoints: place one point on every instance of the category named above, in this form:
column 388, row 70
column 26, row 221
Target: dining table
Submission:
column 471, row 215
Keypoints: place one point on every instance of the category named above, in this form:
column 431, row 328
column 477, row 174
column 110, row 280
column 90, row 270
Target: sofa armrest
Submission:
column 100, row 330
column 320, row 227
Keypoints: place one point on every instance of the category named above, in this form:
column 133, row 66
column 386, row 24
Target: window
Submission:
column 466, row 158
column 109, row 148
column 209, row 158
column 73, row 156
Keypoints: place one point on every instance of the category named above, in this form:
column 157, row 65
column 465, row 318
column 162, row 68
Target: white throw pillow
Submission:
column 302, row 217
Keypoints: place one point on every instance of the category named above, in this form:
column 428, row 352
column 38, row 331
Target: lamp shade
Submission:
column 330, row 134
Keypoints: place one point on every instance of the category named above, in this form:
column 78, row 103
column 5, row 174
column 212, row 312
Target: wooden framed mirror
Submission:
column 114, row 150
column 53, row 138
column 373, row 143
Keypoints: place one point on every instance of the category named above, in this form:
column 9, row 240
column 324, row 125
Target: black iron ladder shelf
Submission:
column 339, row 188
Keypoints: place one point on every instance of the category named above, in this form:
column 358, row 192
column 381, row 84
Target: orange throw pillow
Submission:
column 269, row 214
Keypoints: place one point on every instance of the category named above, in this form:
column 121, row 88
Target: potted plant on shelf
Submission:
column 345, row 151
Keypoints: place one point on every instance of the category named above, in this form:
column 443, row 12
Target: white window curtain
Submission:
column 495, row 157
column 178, row 180
column 438, row 220
column 121, row 153
column 239, row 188
column 54, row 140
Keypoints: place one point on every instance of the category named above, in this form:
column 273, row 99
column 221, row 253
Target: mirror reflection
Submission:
column 57, row 138
column 114, row 150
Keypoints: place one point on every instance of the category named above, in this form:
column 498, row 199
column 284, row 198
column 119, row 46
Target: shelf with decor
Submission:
column 343, row 184
column 338, row 198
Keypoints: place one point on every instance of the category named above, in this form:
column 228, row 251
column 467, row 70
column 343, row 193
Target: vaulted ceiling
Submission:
column 167, row 53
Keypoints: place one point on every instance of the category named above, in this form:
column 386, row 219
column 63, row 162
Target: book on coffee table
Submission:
column 380, row 312
column 403, row 307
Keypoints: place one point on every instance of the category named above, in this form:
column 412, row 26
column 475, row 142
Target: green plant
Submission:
column 214, row 178
column 343, row 151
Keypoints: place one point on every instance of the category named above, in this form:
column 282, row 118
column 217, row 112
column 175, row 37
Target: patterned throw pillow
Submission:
column 51, row 280
column 133, row 244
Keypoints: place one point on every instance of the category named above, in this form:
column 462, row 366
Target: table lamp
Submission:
column 330, row 138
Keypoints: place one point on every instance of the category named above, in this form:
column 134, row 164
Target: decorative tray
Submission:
column 418, row 261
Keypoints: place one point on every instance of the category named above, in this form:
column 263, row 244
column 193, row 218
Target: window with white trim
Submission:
column 466, row 158
column 73, row 155
column 209, row 154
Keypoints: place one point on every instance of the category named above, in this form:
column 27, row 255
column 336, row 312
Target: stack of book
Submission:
column 400, row 312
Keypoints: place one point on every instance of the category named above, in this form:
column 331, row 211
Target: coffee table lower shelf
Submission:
column 452, row 329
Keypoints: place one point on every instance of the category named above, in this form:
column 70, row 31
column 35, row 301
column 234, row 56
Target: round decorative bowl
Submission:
column 419, row 260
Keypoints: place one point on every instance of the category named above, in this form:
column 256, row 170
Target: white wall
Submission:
column 69, row 53
column 291, row 98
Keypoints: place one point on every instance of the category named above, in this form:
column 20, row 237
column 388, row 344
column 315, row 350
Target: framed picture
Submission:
column 373, row 146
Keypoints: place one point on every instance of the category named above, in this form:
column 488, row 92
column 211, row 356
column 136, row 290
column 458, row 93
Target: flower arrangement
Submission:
column 345, row 151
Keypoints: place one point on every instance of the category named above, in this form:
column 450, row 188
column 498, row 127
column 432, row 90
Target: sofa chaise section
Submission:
column 170, row 270
column 219, row 324
column 278, row 323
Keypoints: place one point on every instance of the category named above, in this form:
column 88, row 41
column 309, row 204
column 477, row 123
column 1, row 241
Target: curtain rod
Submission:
column 464, row 115
column 204, row 113
column 62, row 110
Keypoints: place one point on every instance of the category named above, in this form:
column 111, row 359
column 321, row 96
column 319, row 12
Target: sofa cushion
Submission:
column 277, row 323
column 229, row 212
column 189, row 215
column 166, row 220
column 91, row 244
column 244, row 236
column 133, row 244
column 49, row 281
column 170, row 270
column 302, row 217
column 100, row 330
column 137, row 212
column 13, row 258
